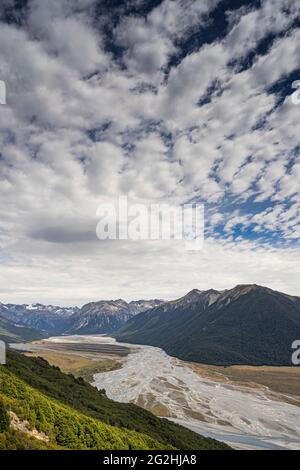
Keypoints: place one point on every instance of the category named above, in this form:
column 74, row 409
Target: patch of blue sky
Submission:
column 214, row 29
column 246, row 229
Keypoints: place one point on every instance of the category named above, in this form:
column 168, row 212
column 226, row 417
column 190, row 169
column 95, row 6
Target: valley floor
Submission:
column 246, row 407
column 284, row 381
column 82, row 359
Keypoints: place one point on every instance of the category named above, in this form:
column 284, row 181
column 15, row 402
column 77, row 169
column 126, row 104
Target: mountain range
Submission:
column 32, row 321
column 47, row 319
column 248, row 324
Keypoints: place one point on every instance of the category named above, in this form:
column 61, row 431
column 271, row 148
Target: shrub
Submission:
column 4, row 418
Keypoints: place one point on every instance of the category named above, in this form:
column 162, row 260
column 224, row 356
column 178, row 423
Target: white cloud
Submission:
column 151, row 141
column 150, row 41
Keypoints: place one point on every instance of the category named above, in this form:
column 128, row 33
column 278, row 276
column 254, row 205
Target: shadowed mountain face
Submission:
column 249, row 324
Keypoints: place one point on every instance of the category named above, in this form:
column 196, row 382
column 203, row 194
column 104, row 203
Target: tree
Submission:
column 4, row 418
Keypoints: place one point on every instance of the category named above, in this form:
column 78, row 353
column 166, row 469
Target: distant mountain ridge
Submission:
column 105, row 316
column 14, row 333
column 48, row 319
column 248, row 324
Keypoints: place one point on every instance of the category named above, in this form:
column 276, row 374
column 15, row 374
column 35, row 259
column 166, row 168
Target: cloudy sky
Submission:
column 174, row 101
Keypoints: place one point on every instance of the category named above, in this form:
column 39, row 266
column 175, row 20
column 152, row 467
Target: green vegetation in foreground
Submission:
column 17, row 440
column 80, row 395
column 4, row 418
column 63, row 425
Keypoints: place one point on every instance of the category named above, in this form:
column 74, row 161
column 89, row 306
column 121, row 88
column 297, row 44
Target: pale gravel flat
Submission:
column 239, row 415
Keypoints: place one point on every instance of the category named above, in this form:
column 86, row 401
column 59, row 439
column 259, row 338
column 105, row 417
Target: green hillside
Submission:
column 64, row 425
column 78, row 395
column 17, row 440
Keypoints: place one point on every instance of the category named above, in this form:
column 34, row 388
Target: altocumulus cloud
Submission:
column 170, row 101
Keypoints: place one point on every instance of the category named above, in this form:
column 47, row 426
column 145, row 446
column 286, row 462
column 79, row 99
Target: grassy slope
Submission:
column 86, row 399
column 63, row 425
column 77, row 365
